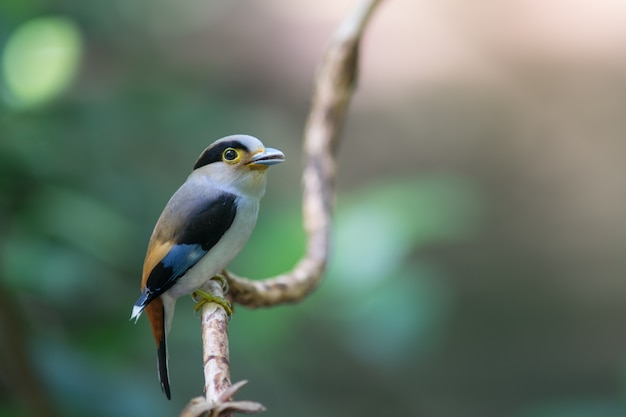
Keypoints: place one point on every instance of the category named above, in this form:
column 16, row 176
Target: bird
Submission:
column 204, row 225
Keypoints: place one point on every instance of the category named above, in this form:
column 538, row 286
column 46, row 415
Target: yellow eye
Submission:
column 230, row 155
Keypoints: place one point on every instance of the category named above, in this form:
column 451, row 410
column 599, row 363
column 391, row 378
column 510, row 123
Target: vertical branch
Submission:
column 215, row 356
column 219, row 393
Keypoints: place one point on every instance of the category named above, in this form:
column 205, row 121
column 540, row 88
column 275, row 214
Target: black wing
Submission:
column 202, row 229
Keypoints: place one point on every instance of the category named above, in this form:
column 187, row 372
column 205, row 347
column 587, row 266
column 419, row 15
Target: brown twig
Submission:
column 334, row 84
column 219, row 393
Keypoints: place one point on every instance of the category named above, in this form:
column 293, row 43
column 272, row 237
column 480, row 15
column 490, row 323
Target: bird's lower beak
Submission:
column 269, row 156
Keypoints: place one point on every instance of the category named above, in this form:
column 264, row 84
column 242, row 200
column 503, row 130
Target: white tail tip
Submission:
column 136, row 313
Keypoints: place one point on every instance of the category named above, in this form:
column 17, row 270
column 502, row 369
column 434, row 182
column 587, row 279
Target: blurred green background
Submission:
column 478, row 254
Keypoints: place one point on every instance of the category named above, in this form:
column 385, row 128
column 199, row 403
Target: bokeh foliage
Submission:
column 411, row 318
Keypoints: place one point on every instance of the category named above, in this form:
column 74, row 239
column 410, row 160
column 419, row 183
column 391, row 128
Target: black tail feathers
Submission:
column 162, row 364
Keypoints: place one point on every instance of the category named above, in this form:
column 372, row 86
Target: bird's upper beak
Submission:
column 269, row 156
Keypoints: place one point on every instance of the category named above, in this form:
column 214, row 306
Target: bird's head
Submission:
column 238, row 164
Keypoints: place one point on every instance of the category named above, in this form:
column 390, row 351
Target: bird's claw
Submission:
column 223, row 282
column 202, row 297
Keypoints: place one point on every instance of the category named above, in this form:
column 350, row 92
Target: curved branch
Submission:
column 334, row 83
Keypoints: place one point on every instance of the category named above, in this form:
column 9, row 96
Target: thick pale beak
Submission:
column 269, row 156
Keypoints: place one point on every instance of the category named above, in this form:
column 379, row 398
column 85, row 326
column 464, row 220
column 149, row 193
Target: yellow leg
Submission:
column 202, row 297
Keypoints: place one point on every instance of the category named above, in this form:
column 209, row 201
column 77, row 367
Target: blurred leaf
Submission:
column 379, row 227
column 35, row 265
column 86, row 224
column 63, row 243
column 7, row 410
column 402, row 318
column 40, row 59
column 86, row 387
column 386, row 305
column 577, row 408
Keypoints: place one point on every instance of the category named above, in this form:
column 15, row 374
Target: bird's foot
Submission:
column 223, row 282
column 202, row 297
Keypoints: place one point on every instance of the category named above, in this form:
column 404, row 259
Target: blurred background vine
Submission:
column 478, row 262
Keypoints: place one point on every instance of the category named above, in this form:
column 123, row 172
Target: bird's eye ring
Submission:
column 230, row 155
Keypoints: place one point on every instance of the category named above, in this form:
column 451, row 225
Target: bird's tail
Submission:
column 162, row 366
column 156, row 315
